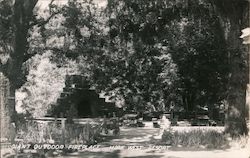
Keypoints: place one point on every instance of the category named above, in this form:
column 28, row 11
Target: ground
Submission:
column 140, row 143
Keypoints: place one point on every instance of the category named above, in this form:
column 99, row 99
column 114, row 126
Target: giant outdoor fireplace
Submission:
column 79, row 101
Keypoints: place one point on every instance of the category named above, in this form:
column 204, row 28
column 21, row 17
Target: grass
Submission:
column 33, row 132
column 240, row 142
column 197, row 138
column 51, row 133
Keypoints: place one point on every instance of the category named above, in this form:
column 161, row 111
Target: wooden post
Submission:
column 248, row 105
column 63, row 120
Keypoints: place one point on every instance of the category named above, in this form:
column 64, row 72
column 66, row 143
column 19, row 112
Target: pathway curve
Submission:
column 139, row 143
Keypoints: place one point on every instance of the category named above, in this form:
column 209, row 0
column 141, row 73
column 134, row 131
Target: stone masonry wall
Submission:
column 4, row 94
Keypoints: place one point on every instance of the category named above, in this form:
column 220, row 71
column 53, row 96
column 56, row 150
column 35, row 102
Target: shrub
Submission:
column 82, row 134
column 51, row 132
column 33, row 132
column 168, row 136
column 195, row 138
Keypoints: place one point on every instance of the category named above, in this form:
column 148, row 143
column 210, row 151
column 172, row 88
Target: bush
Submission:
column 33, row 132
column 82, row 134
column 51, row 132
column 168, row 136
column 196, row 138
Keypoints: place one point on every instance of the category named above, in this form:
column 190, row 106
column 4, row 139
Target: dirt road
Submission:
column 140, row 143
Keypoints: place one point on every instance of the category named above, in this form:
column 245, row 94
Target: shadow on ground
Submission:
column 132, row 136
column 92, row 154
column 149, row 156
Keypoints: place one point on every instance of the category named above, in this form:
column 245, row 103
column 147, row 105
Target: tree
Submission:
column 45, row 83
column 66, row 41
column 151, row 22
column 16, row 21
column 185, row 34
column 202, row 62
column 234, row 17
column 134, row 66
column 143, row 52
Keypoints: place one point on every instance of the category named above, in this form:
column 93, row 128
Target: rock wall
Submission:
column 78, row 100
column 4, row 95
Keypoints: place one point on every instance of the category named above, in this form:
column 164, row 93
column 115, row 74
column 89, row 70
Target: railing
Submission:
column 62, row 120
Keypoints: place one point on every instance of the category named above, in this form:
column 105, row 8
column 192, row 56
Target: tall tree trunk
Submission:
column 248, row 72
column 234, row 17
column 236, row 123
column 236, row 114
column 22, row 14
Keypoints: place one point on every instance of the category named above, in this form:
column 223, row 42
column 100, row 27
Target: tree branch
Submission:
column 28, row 56
column 3, row 68
column 42, row 22
column 51, row 2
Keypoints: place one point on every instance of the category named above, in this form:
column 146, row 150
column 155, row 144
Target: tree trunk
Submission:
column 12, row 72
column 236, row 114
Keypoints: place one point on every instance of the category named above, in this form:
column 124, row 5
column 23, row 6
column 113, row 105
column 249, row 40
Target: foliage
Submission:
column 140, row 73
column 203, row 63
column 146, row 54
column 51, row 133
column 45, row 82
column 88, row 134
column 6, row 31
column 142, row 33
column 196, row 138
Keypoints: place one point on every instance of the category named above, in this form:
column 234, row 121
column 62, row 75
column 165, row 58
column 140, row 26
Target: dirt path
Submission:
column 139, row 143
column 133, row 136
